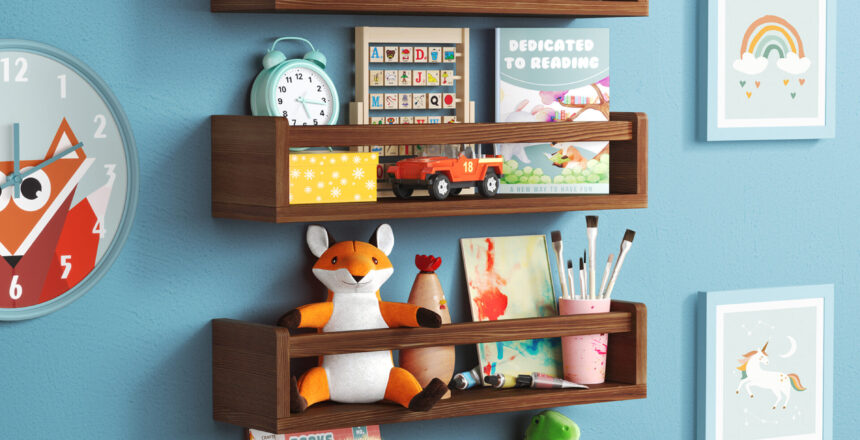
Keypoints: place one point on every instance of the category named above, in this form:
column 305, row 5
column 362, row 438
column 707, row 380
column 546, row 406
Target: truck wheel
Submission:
column 401, row 192
column 490, row 186
column 440, row 187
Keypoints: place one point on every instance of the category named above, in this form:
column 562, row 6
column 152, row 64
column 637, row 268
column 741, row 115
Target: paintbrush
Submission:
column 558, row 247
column 571, row 278
column 582, row 279
column 591, row 232
column 602, row 290
column 626, row 244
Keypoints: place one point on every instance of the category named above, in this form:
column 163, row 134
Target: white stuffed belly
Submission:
column 358, row 377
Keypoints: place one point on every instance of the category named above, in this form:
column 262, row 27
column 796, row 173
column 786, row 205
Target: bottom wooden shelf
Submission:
column 251, row 369
column 462, row 403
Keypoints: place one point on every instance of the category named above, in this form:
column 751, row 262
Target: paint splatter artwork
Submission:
column 509, row 278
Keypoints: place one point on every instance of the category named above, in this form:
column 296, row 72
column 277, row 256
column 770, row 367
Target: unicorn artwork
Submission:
column 753, row 375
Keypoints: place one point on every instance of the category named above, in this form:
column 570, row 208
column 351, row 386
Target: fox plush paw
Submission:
column 298, row 404
column 428, row 318
column 291, row 319
column 431, row 394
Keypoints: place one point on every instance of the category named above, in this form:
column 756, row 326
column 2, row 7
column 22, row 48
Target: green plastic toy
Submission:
column 552, row 425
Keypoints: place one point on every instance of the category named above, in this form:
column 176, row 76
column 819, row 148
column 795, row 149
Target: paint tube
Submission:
column 467, row 379
column 501, row 380
column 540, row 380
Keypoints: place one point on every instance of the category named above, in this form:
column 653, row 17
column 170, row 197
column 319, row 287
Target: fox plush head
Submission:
column 352, row 266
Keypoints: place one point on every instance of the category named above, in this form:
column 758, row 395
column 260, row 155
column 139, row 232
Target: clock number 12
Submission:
column 21, row 64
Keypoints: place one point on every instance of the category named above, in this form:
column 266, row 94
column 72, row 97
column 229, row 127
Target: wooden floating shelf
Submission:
column 565, row 8
column 251, row 369
column 250, row 162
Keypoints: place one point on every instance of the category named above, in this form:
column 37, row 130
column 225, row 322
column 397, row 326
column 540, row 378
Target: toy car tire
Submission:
column 440, row 187
column 401, row 192
column 490, row 186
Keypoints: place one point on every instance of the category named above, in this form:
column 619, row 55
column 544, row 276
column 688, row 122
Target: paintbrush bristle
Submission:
column 570, row 264
column 591, row 221
column 628, row 236
column 556, row 236
column 585, row 255
column 581, row 265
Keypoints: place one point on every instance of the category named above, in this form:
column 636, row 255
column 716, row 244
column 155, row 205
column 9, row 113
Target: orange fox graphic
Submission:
column 47, row 245
column 353, row 272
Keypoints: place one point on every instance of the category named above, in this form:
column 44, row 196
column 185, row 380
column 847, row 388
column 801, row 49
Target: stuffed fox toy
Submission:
column 353, row 272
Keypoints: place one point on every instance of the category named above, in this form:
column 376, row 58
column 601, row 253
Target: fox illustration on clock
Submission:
column 42, row 225
column 68, row 179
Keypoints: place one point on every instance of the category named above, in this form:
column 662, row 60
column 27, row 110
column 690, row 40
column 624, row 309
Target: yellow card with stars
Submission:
column 336, row 177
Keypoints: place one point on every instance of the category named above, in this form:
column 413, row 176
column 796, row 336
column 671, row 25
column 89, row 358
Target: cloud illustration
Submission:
column 750, row 65
column 793, row 65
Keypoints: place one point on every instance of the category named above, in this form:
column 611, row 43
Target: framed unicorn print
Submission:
column 771, row 69
column 766, row 364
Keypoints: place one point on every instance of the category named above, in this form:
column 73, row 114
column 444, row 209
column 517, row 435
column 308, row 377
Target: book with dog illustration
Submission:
column 553, row 75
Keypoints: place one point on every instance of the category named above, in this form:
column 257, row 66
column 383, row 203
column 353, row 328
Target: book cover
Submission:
column 509, row 278
column 355, row 433
column 553, row 75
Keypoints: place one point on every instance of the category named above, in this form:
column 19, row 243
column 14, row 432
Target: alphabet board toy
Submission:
column 410, row 76
column 353, row 272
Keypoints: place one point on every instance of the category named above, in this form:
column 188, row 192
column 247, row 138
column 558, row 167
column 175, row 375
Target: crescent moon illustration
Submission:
column 791, row 350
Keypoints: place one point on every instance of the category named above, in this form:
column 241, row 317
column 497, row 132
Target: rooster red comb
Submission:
column 427, row 263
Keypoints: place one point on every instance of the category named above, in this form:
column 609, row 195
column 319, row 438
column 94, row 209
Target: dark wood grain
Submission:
column 465, row 403
column 458, row 334
column 251, row 367
column 571, row 8
column 250, row 161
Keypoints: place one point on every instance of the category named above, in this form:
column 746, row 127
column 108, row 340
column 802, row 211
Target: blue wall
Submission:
column 132, row 358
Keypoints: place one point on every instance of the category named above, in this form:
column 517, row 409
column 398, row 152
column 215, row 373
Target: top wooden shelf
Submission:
column 564, row 8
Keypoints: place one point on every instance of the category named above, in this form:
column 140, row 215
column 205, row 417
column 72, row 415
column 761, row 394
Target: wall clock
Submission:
column 68, row 173
column 297, row 89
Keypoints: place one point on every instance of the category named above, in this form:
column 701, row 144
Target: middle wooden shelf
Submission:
column 250, row 167
column 251, row 368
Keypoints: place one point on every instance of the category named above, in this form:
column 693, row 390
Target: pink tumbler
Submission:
column 584, row 356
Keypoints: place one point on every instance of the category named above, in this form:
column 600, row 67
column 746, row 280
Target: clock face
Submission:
column 68, row 164
column 304, row 97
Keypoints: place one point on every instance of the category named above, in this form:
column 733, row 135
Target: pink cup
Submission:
column 584, row 356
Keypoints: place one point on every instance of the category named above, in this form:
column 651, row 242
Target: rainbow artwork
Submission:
column 509, row 278
column 768, row 35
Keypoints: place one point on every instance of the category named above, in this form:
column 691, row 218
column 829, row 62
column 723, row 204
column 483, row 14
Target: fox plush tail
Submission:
column 795, row 382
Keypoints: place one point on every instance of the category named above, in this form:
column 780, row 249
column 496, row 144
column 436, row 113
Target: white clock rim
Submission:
column 271, row 82
column 279, row 81
column 132, row 166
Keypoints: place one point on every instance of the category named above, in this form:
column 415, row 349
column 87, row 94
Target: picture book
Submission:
column 355, row 433
column 509, row 278
column 553, row 75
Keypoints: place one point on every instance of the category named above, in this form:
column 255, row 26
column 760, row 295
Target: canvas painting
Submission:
column 509, row 278
column 770, row 69
column 767, row 359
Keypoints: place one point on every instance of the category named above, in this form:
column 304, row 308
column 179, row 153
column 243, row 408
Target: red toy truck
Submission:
column 443, row 176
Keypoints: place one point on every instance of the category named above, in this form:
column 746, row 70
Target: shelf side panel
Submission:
column 628, row 169
column 250, row 374
column 249, row 161
column 627, row 353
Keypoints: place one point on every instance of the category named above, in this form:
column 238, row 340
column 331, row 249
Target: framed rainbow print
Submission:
column 771, row 69
column 766, row 364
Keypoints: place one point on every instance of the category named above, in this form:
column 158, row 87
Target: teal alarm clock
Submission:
column 296, row 89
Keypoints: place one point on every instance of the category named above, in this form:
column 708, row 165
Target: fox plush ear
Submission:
column 319, row 240
column 383, row 238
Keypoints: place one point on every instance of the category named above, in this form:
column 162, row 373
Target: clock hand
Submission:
column 301, row 99
column 17, row 158
column 313, row 102
column 17, row 177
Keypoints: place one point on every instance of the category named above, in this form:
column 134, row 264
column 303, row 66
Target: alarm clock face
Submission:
column 304, row 96
column 68, row 167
